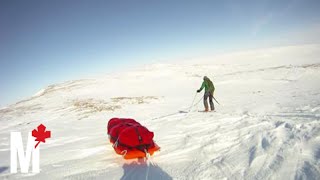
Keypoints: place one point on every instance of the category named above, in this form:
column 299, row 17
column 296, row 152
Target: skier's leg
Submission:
column 205, row 102
column 211, row 102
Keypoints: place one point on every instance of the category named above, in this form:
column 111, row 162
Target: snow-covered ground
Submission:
column 267, row 126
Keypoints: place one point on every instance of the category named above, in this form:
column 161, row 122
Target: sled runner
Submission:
column 130, row 139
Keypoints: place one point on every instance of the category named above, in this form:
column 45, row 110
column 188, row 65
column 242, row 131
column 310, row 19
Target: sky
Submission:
column 45, row 42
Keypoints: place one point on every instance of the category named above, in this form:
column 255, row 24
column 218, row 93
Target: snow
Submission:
column 267, row 126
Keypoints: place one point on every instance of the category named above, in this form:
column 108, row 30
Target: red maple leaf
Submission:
column 41, row 134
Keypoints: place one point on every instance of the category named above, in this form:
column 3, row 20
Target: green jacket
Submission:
column 207, row 85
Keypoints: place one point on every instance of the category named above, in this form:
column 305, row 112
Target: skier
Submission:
column 209, row 90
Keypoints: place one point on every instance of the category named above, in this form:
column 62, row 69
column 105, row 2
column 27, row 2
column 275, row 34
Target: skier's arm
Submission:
column 202, row 86
column 213, row 88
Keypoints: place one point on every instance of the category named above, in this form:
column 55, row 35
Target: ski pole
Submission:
column 192, row 102
column 215, row 100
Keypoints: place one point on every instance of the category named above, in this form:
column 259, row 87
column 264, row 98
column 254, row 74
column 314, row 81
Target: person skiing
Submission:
column 209, row 90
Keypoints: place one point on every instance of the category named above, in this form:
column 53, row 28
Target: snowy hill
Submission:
column 267, row 126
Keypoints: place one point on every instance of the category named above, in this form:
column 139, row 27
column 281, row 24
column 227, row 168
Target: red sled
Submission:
column 130, row 139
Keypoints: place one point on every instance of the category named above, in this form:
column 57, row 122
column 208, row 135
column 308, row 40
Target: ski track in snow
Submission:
column 267, row 126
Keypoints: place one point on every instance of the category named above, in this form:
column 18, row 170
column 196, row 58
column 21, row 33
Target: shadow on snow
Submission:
column 3, row 169
column 140, row 170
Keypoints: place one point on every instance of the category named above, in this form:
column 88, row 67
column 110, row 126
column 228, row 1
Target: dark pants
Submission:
column 205, row 102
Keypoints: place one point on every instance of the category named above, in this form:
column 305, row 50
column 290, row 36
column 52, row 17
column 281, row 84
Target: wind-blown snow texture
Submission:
column 267, row 126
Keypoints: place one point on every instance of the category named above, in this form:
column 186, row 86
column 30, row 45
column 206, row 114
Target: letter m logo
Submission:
column 24, row 157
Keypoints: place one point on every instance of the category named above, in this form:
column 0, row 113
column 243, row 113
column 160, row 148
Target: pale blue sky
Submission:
column 44, row 42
